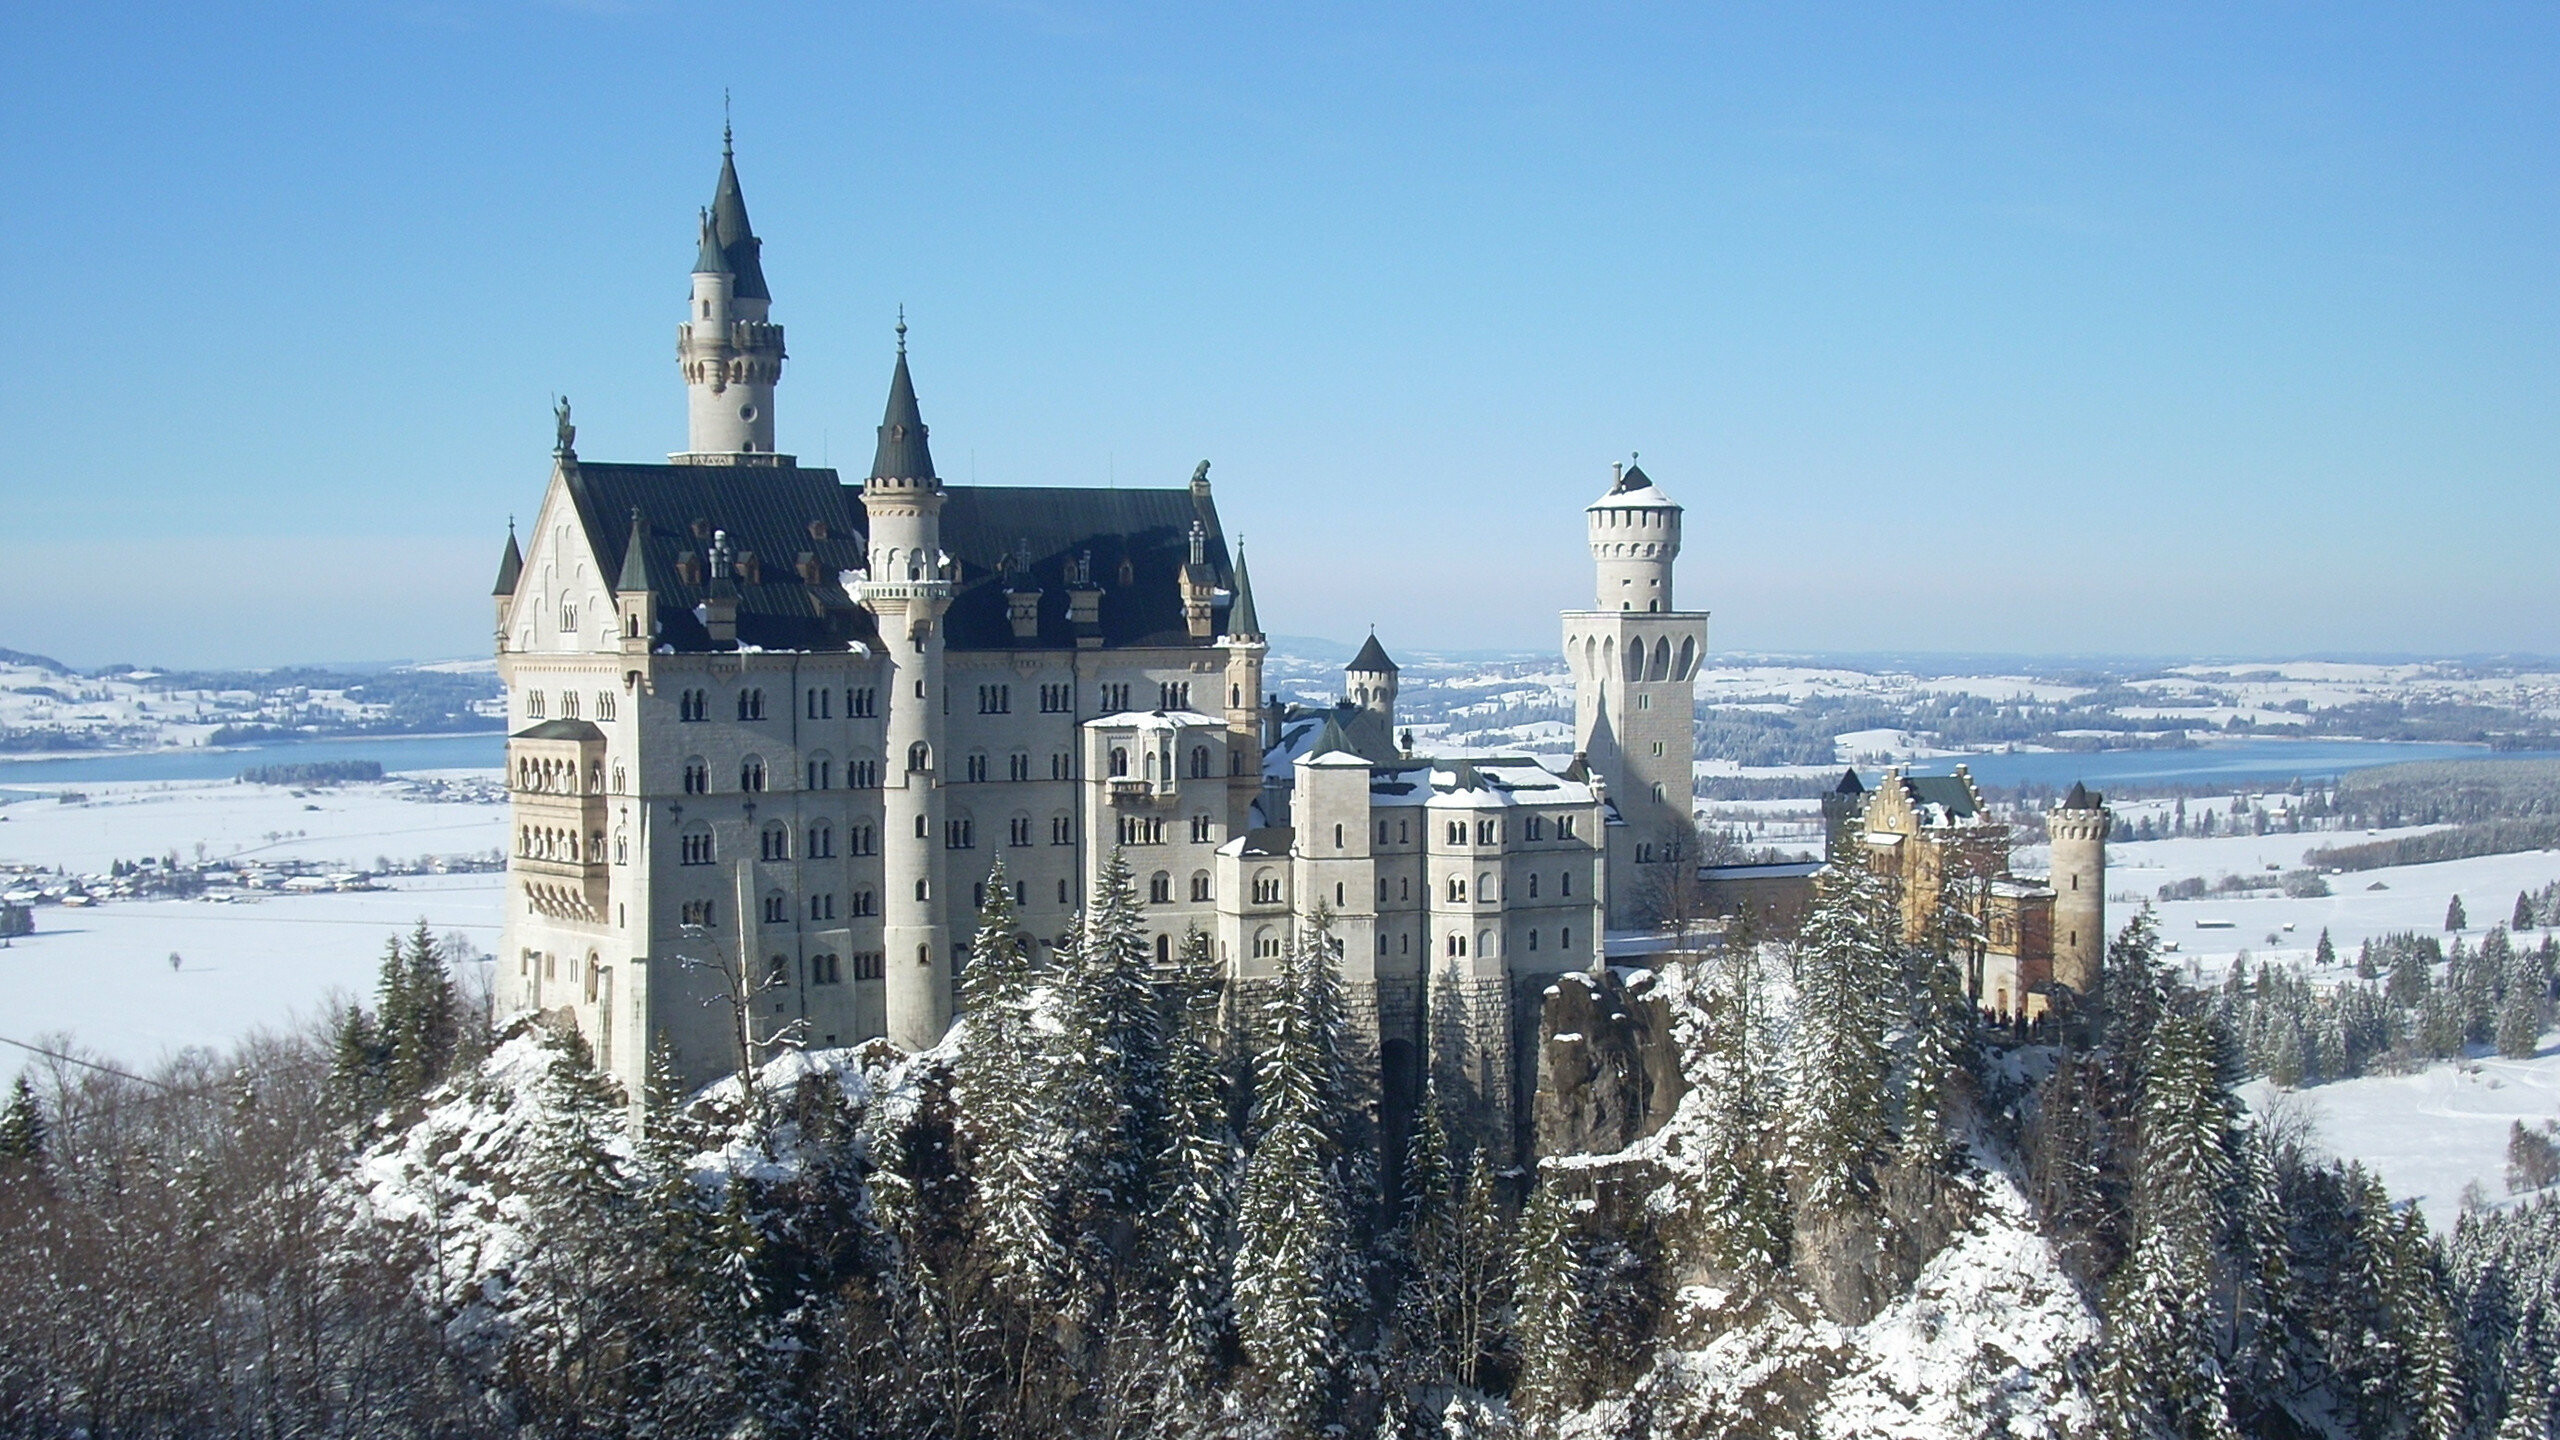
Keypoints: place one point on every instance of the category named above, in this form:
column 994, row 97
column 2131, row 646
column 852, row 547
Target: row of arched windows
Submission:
column 541, row 842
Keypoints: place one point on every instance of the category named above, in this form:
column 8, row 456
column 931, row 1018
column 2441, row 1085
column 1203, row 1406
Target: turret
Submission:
column 730, row 354
column 634, row 606
column 908, row 589
column 2079, row 827
column 1369, row 681
column 1246, row 650
column 510, row 571
column 1635, row 535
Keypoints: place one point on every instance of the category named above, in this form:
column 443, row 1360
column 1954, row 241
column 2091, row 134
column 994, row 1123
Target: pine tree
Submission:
column 1454, row 1254
column 1109, row 1084
column 424, row 1038
column 1741, row 1196
column 1292, row 1265
column 1551, row 1293
column 1837, row 1129
column 1002, row 1084
column 2366, row 969
column 2522, row 1009
column 2325, row 954
column 22, row 1132
column 2163, row 1367
column 2454, row 919
column 1189, row 1234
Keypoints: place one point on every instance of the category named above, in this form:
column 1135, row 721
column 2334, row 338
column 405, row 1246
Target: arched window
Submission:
column 1484, row 888
column 822, row 767
column 1533, row 884
column 1266, row 944
column 1199, row 762
column 1484, row 943
column 1199, row 884
column 750, row 704
column 924, row 891
column 751, row 774
column 697, row 776
column 694, row 846
column 1119, row 761
column 1266, row 887
column 777, row 908
column 775, row 843
column 1160, row 888
column 1688, row 657
column 919, row 756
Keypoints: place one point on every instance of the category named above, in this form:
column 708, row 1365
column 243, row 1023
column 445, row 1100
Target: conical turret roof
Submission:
column 737, row 239
column 710, row 259
column 1372, row 657
column 903, row 454
column 510, row 566
column 635, row 558
column 1240, row 617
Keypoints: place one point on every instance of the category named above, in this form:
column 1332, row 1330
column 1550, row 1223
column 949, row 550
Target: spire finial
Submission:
column 902, row 329
column 725, row 151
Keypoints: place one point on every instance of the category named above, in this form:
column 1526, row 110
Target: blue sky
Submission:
column 2137, row 329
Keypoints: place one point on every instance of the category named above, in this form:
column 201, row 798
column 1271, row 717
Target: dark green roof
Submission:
column 510, row 566
column 738, row 242
column 579, row 730
column 2082, row 798
column 709, row 260
column 1849, row 783
column 1004, row 538
column 1372, row 656
column 776, row 513
column 635, row 557
column 1240, row 617
column 903, row 454
column 1947, row 791
column 1633, row 478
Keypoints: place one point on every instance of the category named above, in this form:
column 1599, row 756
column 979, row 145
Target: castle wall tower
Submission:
column 2079, row 827
column 1634, row 661
column 1369, row 681
column 908, row 588
column 728, row 348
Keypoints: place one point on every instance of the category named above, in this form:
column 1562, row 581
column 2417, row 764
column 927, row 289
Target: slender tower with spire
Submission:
column 908, row 588
column 1245, row 648
column 728, row 347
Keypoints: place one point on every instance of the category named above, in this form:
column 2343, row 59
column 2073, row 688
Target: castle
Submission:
column 769, row 730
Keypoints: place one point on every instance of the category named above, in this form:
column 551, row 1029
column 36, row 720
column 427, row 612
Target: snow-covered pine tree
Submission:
column 22, row 1131
column 2366, row 969
column 1454, row 1256
column 1293, row 1262
column 1845, row 964
column 424, row 1044
column 2325, row 953
column 1001, row 1078
column 2165, row 1360
column 2454, row 919
column 1188, row 1235
column 2524, row 1008
column 1729, row 1045
column 1108, row 1079
column 1549, row 1301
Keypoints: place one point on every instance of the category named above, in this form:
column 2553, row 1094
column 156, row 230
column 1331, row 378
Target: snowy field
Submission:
column 101, row 975
column 2432, row 1134
column 346, row 824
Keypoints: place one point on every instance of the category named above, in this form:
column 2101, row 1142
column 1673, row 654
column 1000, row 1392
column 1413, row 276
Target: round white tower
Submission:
column 908, row 589
column 2079, row 828
column 1369, row 681
column 728, row 349
column 1635, row 535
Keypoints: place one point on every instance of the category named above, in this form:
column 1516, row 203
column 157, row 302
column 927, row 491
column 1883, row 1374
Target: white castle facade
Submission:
column 769, row 732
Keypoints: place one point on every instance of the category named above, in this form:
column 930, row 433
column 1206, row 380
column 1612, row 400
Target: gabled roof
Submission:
column 903, row 454
column 1632, row 478
column 776, row 513
column 1849, row 783
column 1372, row 657
column 738, row 243
column 510, row 566
column 2083, row 798
column 1948, row 792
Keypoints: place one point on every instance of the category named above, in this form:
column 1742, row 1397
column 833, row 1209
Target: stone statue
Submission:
column 565, row 447
column 1200, row 475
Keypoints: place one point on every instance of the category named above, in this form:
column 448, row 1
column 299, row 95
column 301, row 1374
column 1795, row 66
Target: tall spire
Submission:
column 710, row 260
column 510, row 564
column 903, row 454
column 1240, row 617
column 635, row 557
column 737, row 239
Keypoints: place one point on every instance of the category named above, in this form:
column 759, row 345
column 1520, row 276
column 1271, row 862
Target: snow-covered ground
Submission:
column 2433, row 1134
column 349, row 824
column 102, row 976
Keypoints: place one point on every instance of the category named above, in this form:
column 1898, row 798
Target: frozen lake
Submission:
column 396, row 753
column 2259, row 761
